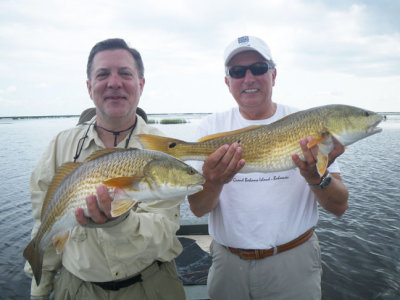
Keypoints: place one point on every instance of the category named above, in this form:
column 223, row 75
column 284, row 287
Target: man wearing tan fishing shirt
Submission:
column 264, row 246
column 134, row 258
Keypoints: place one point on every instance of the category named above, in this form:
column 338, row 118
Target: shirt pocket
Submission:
column 79, row 234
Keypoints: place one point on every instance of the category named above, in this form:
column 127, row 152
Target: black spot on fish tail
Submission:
column 172, row 145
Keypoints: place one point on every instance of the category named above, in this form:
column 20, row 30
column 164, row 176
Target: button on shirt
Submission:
column 102, row 254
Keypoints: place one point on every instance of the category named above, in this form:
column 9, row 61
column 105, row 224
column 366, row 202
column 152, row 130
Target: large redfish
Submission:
column 269, row 148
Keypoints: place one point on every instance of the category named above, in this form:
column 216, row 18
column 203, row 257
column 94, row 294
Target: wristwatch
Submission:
column 325, row 181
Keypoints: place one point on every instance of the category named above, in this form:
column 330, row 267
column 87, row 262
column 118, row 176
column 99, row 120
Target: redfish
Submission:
column 269, row 148
column 132, row 176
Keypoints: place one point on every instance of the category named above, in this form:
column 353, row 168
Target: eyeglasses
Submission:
column 257, row 69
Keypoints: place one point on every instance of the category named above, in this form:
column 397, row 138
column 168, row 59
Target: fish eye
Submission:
column 172, row 145
column 191, row 171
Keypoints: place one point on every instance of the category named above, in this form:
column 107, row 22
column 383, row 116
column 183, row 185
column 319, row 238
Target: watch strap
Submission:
column 325, row 181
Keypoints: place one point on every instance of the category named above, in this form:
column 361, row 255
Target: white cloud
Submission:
column 326, row 51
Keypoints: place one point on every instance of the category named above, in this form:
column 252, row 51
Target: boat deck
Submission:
column 194, row 261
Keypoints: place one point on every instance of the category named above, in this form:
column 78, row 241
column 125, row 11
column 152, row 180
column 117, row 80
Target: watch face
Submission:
column 326, row 181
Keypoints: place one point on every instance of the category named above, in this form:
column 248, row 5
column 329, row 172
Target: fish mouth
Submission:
column 195, row 186
column 373, row 128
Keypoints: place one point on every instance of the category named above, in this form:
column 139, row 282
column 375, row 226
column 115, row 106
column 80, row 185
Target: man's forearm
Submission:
column 206, row 200
column 334, row 197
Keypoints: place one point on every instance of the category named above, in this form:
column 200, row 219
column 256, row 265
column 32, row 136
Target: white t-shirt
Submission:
column 260, row 210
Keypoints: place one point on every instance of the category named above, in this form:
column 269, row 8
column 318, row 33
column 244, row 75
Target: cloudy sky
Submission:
column 326, row 51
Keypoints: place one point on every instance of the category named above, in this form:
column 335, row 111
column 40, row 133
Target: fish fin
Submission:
column 121, row 182
column 35, row 259
column 322, row 163
column 61, row 174
column 325, row 146
column 121, row 196
column 60, row 240
column 122, row 203
column 315, row 142
column 228, row 133
column 118, row 208
column 324, row 138
column 103, row 152
column 158, row 143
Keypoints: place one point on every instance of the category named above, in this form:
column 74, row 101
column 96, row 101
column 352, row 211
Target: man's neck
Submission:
column 258, row 113
column 113, row 132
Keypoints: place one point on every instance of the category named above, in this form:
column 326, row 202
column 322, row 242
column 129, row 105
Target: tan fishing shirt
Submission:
column 102, row 254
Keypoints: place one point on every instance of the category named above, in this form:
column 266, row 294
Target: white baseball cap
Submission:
column 246, row 43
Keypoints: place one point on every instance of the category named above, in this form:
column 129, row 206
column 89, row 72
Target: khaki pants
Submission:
column 293, row 274
column 159, row 282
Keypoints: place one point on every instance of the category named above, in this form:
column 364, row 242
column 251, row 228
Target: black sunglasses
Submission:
column 257, row 69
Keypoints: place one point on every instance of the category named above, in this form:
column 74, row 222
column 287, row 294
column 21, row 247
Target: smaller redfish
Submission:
column 132, row 176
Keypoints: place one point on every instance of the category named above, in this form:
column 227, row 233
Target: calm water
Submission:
column 360, row 251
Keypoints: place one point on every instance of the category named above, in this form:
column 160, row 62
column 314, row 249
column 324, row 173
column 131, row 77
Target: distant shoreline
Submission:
column 77, row 116
column 150, row 115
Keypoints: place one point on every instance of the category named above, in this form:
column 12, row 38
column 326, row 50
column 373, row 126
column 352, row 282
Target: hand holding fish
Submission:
column 223, row 164
column 99, row 215
column 338, row 149
column 307, row 167
column 333, row 200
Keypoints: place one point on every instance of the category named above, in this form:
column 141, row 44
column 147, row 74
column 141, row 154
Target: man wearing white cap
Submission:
column 264, row 246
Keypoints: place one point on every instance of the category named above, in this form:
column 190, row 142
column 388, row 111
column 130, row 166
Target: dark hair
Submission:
column 113, row 44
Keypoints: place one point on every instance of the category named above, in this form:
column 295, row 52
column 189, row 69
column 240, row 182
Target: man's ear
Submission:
column 227, row 82
column 141, row 84
column 274, row 76
column 89, row 87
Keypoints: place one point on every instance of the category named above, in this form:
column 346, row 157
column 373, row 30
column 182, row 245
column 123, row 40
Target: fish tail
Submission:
column 35, row 259
column 160, row 143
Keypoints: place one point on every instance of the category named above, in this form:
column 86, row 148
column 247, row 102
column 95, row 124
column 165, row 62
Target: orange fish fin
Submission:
column 158, row 143
column 60, row 240
column 322, row 163
column 324, row 137
column 121, row 182
column 315, row 142
column 228, row 133
column 118, row 208
column 60, row 175
column 35, row 259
